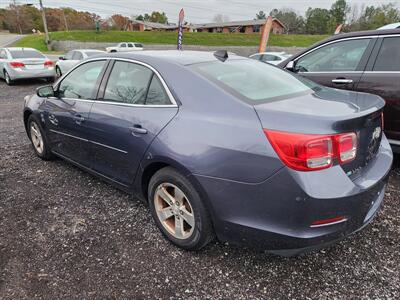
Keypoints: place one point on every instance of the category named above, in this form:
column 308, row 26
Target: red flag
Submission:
column 338, row 29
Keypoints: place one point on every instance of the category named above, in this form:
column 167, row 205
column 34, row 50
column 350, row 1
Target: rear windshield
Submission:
column 26, row 53
column 254, row 81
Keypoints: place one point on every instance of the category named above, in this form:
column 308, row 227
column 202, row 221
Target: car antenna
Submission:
column 222, row 55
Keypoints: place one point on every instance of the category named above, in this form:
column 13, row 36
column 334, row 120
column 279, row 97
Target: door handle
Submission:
column 79, row 119
column 342, row 81
column 137, row 130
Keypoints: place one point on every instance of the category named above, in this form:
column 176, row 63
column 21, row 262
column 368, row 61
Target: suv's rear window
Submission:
column 26, row 54
column 253, row 80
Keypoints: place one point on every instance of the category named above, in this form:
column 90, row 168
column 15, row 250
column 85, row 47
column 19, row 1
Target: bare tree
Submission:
column 220, row 18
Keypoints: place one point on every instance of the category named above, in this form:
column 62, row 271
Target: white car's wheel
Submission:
column 7, row 78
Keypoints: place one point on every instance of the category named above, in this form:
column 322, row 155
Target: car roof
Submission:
column 89, row 50
column 390, row 26
column 171, row 56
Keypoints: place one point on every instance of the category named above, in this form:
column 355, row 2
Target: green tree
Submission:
column 338, row 11
column 261, row 15
column 156, row 17
column 317, row 20
column 292, row 21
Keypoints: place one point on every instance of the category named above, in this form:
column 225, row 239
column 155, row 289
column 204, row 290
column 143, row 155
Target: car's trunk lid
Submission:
column 329, row 111
column 33, row 63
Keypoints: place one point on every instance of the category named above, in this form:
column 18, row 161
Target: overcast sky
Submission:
column 196, row 11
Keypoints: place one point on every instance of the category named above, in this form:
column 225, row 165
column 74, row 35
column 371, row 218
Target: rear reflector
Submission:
column 310, row 152
column 17, row 64
column 327, row 222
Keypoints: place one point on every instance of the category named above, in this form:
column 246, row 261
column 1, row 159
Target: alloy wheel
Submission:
column 7, row 77
column 58, row 72
column 36, row 137
column 174, row 211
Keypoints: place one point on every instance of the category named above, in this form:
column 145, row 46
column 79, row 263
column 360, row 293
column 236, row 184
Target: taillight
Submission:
column 17, row 64
column 48, row 63
column 347, row 147
column 309, row 152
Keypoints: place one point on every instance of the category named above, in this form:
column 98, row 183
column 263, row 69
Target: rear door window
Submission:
column 338, row 56
column 389, row 55
column 128, row 83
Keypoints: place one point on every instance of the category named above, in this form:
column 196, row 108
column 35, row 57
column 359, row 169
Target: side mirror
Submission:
column 290, row 66
column 45, row 91
column 62, row 58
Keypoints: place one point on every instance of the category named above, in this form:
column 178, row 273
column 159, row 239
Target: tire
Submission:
column 7, row 78
column 58, row 71
column 189, row 208
column 38, row 138
column 113, row 51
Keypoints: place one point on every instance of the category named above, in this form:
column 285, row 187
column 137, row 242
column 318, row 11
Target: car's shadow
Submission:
column 28, row 82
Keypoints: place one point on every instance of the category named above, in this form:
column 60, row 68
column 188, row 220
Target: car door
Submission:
column 133, row 106
column 339, row 64
column 123, row 48
column 382, row 77
column 66, row 114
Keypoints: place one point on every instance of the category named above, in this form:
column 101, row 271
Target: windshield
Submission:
column 25, row 53
column 254, row 81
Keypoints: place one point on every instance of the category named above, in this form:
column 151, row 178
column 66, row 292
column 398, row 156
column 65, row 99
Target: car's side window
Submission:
column 82, row 81
column 123, row 45
column 77, row 56
column 389, row 55
column 130, row 45
column 156, row 94
column 69, row 55
column 128, row 83
column 335, row 57
column 268, row 57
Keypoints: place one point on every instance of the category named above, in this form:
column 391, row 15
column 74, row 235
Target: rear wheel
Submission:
column 179, row 211
column 38, row 139
column 7, row 78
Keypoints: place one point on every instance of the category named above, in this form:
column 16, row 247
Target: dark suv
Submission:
column 367, row 61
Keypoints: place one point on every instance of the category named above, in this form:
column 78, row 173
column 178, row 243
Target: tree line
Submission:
column 25, row 18
column 325, row 21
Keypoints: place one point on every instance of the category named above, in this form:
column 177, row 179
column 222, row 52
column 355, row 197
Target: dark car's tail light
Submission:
column 48, row 63
column 310, row 152
column 17, row 64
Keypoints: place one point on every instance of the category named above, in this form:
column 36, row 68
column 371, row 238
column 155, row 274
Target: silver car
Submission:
column 72, row 58
column 24, row 63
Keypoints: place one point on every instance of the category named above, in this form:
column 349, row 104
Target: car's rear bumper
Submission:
column 16, row 74
column 277, row 214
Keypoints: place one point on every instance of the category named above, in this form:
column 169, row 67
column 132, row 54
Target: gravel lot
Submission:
column 66, row 234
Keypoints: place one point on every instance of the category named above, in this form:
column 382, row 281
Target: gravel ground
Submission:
column 66, row 234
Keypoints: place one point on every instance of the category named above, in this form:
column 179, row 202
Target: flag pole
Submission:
column 180, row 29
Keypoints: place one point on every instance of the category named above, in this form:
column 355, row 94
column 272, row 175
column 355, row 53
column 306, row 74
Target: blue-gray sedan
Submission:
column 220, row 145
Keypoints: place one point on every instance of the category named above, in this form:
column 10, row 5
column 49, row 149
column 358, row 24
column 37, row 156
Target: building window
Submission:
column 256, row 28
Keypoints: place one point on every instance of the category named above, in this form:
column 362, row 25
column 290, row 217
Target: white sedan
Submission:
column 273, row 58
column 72, row 58
column 125, row 47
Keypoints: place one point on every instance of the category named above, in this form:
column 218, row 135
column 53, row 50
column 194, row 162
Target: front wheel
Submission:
column 38, row 139
column 58, row 71
column 178, row 210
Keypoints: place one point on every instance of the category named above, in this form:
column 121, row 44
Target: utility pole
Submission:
column 45, row 25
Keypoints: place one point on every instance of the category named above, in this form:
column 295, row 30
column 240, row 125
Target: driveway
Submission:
column 8, row 39
column 65, row 234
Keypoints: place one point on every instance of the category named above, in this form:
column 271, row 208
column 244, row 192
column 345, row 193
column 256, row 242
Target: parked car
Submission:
column 390, row 26
column 125, row 47
column 367, row 61
column 274, row 58
column 219, row 144
column 24, row 63
column 72, row 58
